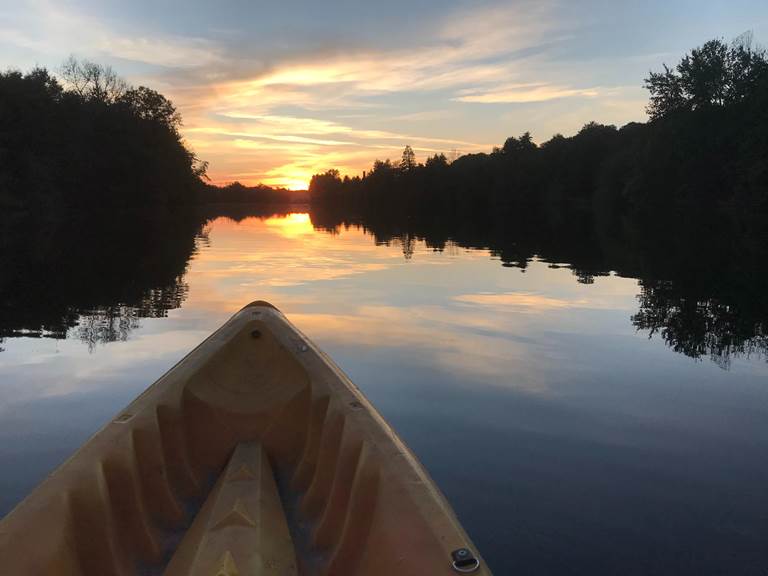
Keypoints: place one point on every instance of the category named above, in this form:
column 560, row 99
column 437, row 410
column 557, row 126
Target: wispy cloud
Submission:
column 279, row 114
column 167, row 52
column 51, row 29
column 295, row 147
column 523, row 93
column 464, row 53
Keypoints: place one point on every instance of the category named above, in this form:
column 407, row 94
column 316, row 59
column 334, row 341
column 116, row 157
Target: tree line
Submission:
column 238, row 193
column 90, row 142
column 679, row 202
column 705, row 146
column 86, row 142
column 96, row 278
column 701, row 279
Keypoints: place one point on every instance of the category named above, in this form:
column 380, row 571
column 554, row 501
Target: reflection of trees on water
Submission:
column 699, row 328
column 111, row 324
column 158, row 301
column 702, row 277
column 408, row 243
column 702, row 281
column 115, row 323
column 93, row 280
column 96, row 278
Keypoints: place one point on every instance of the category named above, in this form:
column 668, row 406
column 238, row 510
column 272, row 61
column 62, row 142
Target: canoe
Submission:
column 253, row 455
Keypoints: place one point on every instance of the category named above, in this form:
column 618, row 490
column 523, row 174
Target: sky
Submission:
column 274, row 92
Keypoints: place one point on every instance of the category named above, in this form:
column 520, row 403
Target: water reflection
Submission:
column 701, row 278
column 699, row 326
column 96, row 280
column 702, row 295
column 587, row 447
column 92, row 280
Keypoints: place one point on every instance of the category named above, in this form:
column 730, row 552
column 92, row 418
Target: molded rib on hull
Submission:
column 255, row 455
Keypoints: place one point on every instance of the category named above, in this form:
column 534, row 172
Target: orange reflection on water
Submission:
column 292, row 225
column 261, row 258
column 345, row 291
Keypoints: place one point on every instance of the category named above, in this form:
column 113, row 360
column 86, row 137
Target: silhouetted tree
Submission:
column 325, row 187
column 716, row 74
column 92, row 81
column 152, row 106
column 94, row 145
column 706, row 148
column 748, row 68
column 436, row 162
column 408, row 161
column 667, row 95
column 519, row 145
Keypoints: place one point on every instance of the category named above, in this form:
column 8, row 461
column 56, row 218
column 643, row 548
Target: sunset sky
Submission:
column 274, row 92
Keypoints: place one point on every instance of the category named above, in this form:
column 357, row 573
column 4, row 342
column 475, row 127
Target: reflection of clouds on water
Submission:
column 425, row 333
column 348, row 271
column 532, row 302
column 456, row 310
column 43, row 368
column 521, row 301
column 258, row 258
column 542, row 383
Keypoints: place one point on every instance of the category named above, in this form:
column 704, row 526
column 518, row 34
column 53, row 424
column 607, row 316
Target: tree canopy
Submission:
column 715, row 74
column 408, row 161
column 706, row 147
column 92, row 81
column 149, row 105
column 90, row 143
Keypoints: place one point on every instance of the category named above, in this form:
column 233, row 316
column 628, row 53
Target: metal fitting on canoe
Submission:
column 464, row 560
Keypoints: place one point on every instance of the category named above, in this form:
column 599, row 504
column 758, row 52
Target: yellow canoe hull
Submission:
column 253, row 455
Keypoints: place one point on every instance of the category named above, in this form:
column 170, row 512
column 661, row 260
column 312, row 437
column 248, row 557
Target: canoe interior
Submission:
column 253, row 455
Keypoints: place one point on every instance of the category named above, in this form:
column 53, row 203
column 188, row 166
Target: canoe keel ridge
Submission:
column 253, row 455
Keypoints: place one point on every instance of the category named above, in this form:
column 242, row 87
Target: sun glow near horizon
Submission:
column 458, row 89
column 290, row 183
column 458, row 80
column 297, row 185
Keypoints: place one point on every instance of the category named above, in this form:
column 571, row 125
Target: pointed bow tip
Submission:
column 260, row 303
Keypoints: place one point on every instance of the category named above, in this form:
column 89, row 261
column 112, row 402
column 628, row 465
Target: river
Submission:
column 570, row 433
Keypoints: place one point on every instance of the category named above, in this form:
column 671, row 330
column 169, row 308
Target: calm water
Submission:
column 567, row 439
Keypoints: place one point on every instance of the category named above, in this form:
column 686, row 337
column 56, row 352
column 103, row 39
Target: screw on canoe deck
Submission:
column 464, row 560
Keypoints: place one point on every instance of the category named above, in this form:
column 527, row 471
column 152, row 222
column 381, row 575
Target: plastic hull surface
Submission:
column 253, row 455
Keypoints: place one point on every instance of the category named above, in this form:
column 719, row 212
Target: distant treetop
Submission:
column 715, row 74
column 408, row 161
column 92, row 81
